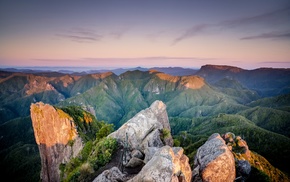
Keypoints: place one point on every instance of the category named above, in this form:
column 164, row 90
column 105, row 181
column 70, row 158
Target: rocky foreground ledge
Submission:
column 150, row 144
column 145, row 144
column 145, row 151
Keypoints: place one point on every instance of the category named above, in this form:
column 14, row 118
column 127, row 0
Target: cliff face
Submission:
column 57, row 139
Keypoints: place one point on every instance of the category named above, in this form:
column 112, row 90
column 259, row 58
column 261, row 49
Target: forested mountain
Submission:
column 251, row 103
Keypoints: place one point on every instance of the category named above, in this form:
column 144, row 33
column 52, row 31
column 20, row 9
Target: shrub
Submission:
column 176, row 143
column 93, row 156
column 105, row 130
column 165, row 134
column 86, row 171
column 102, row 152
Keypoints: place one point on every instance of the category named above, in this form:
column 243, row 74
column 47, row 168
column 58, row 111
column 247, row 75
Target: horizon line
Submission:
column 102, row 68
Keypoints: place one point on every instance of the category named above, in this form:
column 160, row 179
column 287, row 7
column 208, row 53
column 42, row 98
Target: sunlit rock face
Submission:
column 57, row 139
column 214, row 161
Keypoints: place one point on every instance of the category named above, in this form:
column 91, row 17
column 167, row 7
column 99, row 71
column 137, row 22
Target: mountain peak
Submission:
column 102, row 75
column 221, row 68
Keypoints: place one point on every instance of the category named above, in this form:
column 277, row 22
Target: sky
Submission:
column 164, row 33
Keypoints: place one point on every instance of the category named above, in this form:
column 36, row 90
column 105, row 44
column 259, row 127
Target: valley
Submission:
column 254, row 104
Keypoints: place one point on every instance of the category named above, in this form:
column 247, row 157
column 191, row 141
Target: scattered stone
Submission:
column 243, row 169
column 111, row 175
column 134, row 162
column 137, row 153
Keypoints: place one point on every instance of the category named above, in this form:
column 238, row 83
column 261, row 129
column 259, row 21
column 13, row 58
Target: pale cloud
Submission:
column 275, row 18
column 119, row 33
column 81, row 35
column 269, row 35
column 191, row 32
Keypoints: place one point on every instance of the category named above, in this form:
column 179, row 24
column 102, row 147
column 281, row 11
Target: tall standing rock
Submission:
column 57, row 139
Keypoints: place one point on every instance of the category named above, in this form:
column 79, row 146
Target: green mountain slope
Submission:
column 235, row 89
column 271, row 119
column 19, row 153
column 118, row 99
column 280, row 102
column 275, row 147
column 19, row 90
column 266, row 81
column 194, row 105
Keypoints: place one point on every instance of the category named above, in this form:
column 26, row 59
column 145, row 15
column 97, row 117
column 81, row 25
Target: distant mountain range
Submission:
column 253, row 103
column 178, row 71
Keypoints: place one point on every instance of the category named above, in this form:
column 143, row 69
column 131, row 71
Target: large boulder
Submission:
column 214, row 161
column 145, row 128
column 167, row 164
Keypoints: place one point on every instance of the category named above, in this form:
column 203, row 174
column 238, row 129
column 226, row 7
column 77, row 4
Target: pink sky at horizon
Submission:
column 185, row 34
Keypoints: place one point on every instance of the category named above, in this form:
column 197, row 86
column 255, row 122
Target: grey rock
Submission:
column 165, row 165
column 214, row 161
column 143, row 128
column 111, row 175
column 152, row 140
column 243, row 169
column 149, row 153
column 137, row 153
column 134, row 162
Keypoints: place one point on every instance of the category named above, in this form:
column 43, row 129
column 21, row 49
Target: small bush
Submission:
column 93, row 156
column 86, row 171
column 176, row 143
column 102, row 152
column 165, row 134
column 105, row 130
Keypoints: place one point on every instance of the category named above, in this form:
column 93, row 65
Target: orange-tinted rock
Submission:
column 57, row 138
column 214, row 161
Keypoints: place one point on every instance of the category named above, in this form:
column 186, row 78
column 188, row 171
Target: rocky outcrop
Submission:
column 228, row 158
column 248, row 161
column 214, row 161
column 167, row 164
column 57, row 139
column 145, row 128
column 149, row 143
